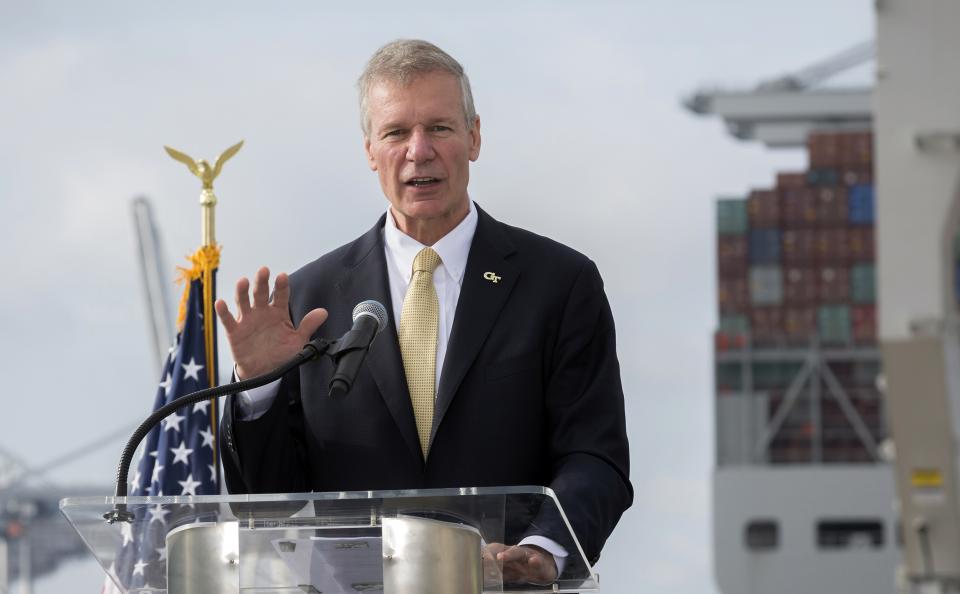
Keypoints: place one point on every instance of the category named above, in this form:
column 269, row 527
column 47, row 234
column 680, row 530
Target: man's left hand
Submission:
column 526, row 564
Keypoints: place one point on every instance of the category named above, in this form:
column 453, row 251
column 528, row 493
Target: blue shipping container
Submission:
column 860, row 201
column 765, row 246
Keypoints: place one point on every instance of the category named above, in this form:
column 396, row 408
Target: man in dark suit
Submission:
column 499, row 368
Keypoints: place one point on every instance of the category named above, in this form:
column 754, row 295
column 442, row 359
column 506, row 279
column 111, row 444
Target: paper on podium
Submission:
column 334, row 565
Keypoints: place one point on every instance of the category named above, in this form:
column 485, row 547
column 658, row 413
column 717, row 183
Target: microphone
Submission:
column 369, row 319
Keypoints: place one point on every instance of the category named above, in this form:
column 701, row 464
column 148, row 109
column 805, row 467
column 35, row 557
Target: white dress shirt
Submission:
column 400, row 250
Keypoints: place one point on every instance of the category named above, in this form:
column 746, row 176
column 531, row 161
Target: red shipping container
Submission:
column 833, row 247
column 766, row 325
column 844, row 148
column 824, row 149
column 800, row 286
column 787, row 181
column 856, row 148
column 834, row 285
column 799, row 324
column 798, row 207
column 799, row 247
column 864, row 320
column 851, row 176
column 861, row 245
column 733, row 294
column 832, row 208
column 763, row 208
column 864, row 150
column 732, row 255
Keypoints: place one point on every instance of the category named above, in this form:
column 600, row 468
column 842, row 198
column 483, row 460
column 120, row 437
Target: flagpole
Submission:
column 208, row 205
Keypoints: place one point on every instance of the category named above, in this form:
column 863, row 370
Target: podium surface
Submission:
column 390, row 542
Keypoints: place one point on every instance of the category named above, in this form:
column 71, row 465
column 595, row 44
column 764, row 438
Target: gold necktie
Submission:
column 419, row 322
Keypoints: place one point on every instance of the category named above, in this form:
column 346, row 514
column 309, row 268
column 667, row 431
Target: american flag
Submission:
column 179, row 457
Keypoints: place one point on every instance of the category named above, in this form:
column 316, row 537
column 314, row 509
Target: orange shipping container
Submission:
column 729, row 342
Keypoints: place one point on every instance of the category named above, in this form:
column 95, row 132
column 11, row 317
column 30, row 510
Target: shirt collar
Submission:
column 453, row 248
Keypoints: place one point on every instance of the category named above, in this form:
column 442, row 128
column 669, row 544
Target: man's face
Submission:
column 420, row 146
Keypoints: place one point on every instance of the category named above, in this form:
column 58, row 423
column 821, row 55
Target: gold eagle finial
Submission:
column 200, row 167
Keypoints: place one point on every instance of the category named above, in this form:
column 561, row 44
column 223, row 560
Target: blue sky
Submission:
column 584, row 140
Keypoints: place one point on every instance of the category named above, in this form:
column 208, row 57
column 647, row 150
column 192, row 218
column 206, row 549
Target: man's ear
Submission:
column 475, row 139
column 367, row 148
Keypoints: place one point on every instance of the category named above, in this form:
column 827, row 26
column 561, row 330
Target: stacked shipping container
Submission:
column 796, row 270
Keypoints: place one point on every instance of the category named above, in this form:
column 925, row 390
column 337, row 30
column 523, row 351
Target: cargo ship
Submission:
column 803, row 495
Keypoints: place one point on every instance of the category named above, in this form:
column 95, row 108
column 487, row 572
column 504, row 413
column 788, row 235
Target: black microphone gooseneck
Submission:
column 349, row 344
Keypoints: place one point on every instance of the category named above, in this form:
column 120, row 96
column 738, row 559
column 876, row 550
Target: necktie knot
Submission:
column 427, row 260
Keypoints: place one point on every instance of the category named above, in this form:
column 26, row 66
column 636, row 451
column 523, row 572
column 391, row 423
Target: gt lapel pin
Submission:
column 492, row 277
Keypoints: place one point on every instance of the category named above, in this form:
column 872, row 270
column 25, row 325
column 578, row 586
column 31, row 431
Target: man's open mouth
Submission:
column 421, row 182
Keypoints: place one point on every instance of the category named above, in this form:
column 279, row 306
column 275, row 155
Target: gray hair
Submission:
column 402, row 61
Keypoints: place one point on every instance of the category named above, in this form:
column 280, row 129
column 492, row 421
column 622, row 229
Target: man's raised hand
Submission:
column 262, row 335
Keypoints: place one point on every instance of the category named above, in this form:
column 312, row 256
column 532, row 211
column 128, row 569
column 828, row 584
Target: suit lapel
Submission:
column 367, row 278
column 481, row 300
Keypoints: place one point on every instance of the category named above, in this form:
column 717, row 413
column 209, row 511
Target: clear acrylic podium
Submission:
column 391, row 542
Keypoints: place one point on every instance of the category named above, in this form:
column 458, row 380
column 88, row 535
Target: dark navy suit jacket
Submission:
column 529, row 394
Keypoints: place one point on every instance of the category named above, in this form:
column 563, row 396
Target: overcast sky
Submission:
column 584, row 140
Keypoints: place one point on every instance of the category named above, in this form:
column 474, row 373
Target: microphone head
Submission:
column 374, row 309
